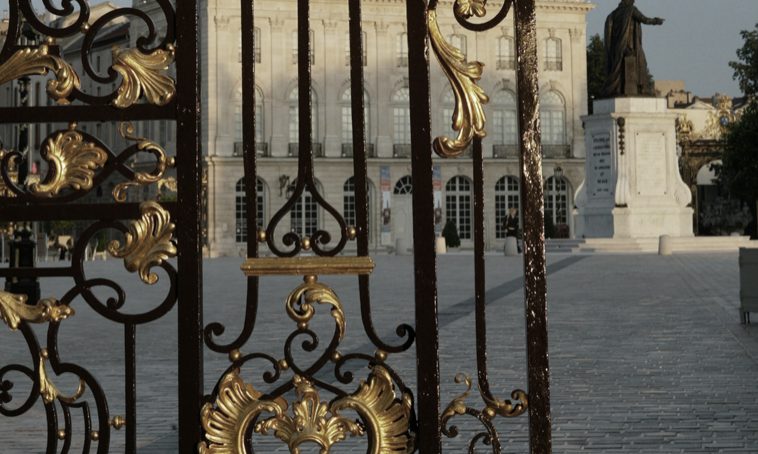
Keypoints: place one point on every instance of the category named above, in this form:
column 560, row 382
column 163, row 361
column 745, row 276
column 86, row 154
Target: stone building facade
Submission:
column 561, row 32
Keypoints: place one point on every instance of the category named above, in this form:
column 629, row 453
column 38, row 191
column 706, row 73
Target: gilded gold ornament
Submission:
column 39, row 61
column 468, row 8
column 300, row 302
column 226, row 421
column 14, row 310
column 310, row 422
column 468, row 116
column 4, row 190
column 72, row 163
column 458, row 405
column 493, row 407
column 303, row 266
column 162, row 163
column 148, row 243
column 144, row 74
column 47, row 388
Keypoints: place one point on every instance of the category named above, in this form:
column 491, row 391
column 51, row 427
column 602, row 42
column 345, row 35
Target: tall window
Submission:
column 401, row 115
column 259, row 116
column 506, row 197
column 304, row 215
column 556, row 200
column 459, row 42
column 448, row 107
column 347, row 115
column 256, row 46
column 241, row 208
column 348, row 201
column 294, row 110
column 401, row 48
column 505, row 54
column 553, row 119
column 404, row 185
column 554, row 55
column 347, row 49
column 504, row 125
column 458, row 205
column 295, row 46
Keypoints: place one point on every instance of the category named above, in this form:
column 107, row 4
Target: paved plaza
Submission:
column 646, row 352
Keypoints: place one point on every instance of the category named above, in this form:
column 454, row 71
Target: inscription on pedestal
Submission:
column 600, row 168
column 651, row 164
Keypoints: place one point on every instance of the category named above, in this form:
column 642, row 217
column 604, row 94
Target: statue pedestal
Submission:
column 632, row 188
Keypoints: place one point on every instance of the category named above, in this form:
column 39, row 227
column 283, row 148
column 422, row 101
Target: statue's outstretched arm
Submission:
column 647, row 20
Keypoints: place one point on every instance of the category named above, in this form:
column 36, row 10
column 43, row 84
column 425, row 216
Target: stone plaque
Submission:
column 600, row 166
column 650, row 165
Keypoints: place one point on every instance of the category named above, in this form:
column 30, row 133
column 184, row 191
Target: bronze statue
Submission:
column 627, row 73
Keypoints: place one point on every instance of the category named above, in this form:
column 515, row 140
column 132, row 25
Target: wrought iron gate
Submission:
column 391, row 416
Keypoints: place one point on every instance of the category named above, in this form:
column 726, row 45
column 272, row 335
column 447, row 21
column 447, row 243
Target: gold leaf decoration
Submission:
column 144, row 74
column 387, row 417
column 238, row 404
column 468, row 116
column 148, row 242
column 72, row 163
column 14, row 310
column 310, row 422
column 162, row 162
column 458, row 405
column 39, row 61
column 5, row 191
column 300, row 303
column 468, row 8
column 493, row 407
column 47, row 388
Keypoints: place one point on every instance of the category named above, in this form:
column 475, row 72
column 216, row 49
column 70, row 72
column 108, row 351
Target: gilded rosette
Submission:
column 468, row 115
column 72, row 163
column 148, row 243
column 144, row 74
column 468, row 8
column 300, row 303
column 39, row 61
column 162, row 163
column 14, row 310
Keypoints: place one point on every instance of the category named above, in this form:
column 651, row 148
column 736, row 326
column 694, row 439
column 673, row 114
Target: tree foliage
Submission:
column 739, row 168
column 746, row 69
column 595, row 69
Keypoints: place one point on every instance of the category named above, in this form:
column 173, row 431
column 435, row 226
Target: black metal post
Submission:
column 22, row 255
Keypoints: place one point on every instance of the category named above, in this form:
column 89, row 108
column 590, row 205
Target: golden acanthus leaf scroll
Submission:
column 148, row 243
column 14, row 309
column 72, row 163
column 40, row 61
column 144, row 74
column 162, row 163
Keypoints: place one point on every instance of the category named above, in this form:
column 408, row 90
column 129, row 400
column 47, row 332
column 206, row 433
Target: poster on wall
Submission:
column 385, row 185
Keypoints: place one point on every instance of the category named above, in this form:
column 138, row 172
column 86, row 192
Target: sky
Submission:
column 695, row 44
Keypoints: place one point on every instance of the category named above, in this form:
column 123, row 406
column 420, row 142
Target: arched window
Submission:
column 241, row 208
column 401, row 48
column 347, row 115
column 554, row 55
column 295, row 46
column 401, row 116
column 553, row 119
column 458, row 205
column 294, row 111
column 504, row 125
column 506, row 197
column 259, row 115
column 304, row 215
column 404, row 185
column 505, row 53
column 459, row 42
column 556, row 200
column 347, row 49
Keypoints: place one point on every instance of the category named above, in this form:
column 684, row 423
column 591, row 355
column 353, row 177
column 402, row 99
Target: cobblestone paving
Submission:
column 647, row 353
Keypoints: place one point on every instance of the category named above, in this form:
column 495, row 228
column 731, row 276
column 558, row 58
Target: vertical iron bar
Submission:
column 130, row 386
column 248, row 127
column 190, row 265
column 305, row 132
column 425, row 260
column 357, row 105
column 535, row 284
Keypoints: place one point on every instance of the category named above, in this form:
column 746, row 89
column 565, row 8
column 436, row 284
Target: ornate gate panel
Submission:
column 297, row 403
column 89, row 185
